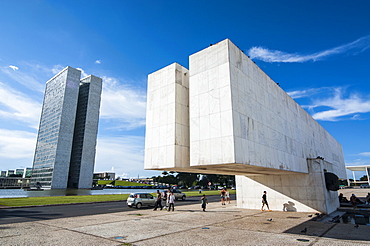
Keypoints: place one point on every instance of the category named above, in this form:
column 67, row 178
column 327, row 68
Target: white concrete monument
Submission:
column 226, row 116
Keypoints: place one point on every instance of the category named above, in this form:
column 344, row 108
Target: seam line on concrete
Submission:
column 62, row 228
column 189, row 211
column 322, row 234
column 205, row 225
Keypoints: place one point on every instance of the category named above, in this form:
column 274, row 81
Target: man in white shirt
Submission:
column 171, row 202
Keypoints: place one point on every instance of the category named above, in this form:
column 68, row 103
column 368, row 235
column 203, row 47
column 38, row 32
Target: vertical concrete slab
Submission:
column 292, row 193
column 211, row 122
column 167, row 119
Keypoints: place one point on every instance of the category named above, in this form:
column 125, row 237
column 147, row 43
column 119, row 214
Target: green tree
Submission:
column 155, row 178
column 169, row 179
column 222, row 180
column 206, row 178
column 363, row 178
column 187, row 179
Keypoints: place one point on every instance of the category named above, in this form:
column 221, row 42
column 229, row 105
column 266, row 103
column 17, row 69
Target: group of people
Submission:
column 170, row 200
column 224, row 193
column 354, row 200
column 225, row 196
column 169, row 197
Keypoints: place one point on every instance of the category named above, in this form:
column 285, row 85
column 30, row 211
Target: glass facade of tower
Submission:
column 48, row 133
column 60, row 141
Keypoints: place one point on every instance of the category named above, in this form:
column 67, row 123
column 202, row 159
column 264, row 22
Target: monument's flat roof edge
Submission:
column 358, row 168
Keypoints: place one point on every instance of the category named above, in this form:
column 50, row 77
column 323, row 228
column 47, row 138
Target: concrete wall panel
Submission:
column 167, row 126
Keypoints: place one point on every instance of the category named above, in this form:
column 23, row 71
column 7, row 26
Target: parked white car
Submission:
column 139, row 200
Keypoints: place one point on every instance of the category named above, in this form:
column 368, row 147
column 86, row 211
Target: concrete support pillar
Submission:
column 292, row 192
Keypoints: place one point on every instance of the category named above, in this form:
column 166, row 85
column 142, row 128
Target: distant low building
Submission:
column 9, row 172
column 365, row 168
column 24, row 172
column 105, row 175
column 19, row 172
column 143, row 180
column 14, row 182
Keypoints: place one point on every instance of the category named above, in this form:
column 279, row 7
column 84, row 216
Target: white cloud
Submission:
column 17, row 106
column 338, row 105
column 267, row 55
column 124, row 175
column 56, row 69
column 13, row 67
column 123, row 104
column 43, row 73
column 98, row 62
column 303, row 93
column 17, row 144
column 83, row 74
column 26, row 79
column 365, row 154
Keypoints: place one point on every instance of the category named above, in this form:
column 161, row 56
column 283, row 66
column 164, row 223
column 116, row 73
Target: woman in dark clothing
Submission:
column 264, row 201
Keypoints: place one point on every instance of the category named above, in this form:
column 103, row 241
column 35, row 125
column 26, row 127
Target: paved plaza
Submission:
column 187, row 225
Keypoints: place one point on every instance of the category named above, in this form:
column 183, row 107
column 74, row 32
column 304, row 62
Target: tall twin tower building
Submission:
column 66, row 141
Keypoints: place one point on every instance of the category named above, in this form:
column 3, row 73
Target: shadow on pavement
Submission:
column 332, row 230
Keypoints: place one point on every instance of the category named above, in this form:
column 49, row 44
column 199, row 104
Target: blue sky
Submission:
column 318, row 51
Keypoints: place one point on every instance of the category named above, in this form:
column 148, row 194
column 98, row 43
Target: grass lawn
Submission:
column 49, row 200
column 120, row 183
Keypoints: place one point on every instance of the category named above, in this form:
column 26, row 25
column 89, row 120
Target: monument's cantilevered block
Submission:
column 241, row 121
column 167, row 119
column 238, row 121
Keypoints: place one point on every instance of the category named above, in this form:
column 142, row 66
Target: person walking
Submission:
column 158, row 202
column 264, row 202
column 168, row 198
column 164, row 198
column 171, row 201
column 227, row 195
column 222, row 195
column 204, row 202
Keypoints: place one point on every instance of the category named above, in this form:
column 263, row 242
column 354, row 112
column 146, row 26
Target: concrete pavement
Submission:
column 188, row 225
